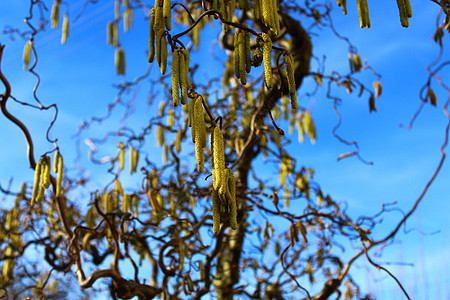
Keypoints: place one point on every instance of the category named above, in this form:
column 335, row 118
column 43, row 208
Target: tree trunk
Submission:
column 228, row 265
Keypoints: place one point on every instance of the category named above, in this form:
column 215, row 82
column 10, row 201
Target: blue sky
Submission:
column 79, row 77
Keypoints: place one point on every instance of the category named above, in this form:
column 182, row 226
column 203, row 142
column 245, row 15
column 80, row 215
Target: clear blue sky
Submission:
column 78, row 77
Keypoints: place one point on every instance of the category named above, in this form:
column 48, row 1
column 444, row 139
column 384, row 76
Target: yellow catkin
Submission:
column 233, row 203
column 90, row 217
column 120, row 61
column 117, row 9
column 171, row 118
column 211, row 145
column 219, row 159
column 402, row 11
column 109, row 33
column 309, row 126
column 266, row 6
column 8, row 265
column 199, row 119
column 55, row 15
column 132, row 160
column 199, row 156
column 291, row 80
column 182, row 79
column 175, row 79
column 136, row 159
column 167, row 14
column 118, row 192
column 165, row 154
column 135, row 202
column 267, row 48
column 237, row 145
column 186, row 70
column 115, row 35
column 257, row 9
column 191, row 119
column 284, row 104
column 237, row 69
column 160, row 135
column 164, row 54
column 187, row 59
column 159, row 31
column 408, row 8
column 275, row 19
column 184, row 75
column 372, row 106
column 351, row 62
column 378, row 88
column 343, row 3
column 431, row 95
column 40, row 194
column 59, row 177
column 158, row 47
column 257, row 57
column 107, row 202
column 221, row 7
column 161, row 201
column 223, row 190
column 127, row 19
column 121, row 156
column 231, row 7
column 216, row 182
column 293, row 234
column 159, row 18
column 292, row 124
column 178, row 141
column 301, row 130
column 303, row 231
column 200, row 134
column 404, row 7
column 46, row 174
column 224, row 9
column 248, row 58
column 37, row 180
column 162, row 107
column 242, row 58
column 43, row 179
column 151, row 39
column 284, row 166
column 215, row 5
column 216, row 211
column 287, row 196
column 65, row 29
column 357, row 62
column 27, row 54
column 55, row 162
column 152, row 201
column 363, row 10
column 86, row 239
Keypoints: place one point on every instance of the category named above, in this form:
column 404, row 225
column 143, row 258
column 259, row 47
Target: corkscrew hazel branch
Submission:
column 219, row 15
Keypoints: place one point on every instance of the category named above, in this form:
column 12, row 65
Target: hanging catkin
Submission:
column 267, row 48
column 175, row 78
